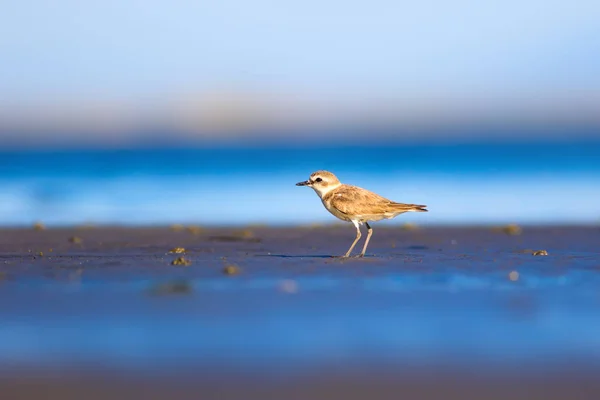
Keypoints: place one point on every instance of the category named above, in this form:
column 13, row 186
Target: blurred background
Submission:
column 144, row 113
column 155, row 112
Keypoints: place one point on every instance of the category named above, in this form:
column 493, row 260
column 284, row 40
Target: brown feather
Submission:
column 352, row 201
column 411, row 207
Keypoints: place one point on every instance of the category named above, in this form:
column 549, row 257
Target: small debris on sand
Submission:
column 231, row 270
column 245, row 234
column 288, row 286
column 177, row 228
column 540, row 253
column 194, row 230
column 75, row 240
column 177, row 250
column 170, row 288
column 38, row 226
column 513, row 276
column 40, row 253
column 510, row 229
column 181, row 261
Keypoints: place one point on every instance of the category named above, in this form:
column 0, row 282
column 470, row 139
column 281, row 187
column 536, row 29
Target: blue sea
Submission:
column 463, row 183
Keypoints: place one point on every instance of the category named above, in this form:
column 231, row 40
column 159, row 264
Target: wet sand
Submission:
column 268, row 313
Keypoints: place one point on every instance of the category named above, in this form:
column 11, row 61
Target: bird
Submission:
column 355, row 204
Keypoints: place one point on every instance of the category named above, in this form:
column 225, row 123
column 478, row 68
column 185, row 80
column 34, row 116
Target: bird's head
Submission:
column 321, row 182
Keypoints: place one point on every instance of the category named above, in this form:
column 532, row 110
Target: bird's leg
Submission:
column 355, row 240
column 369, row 233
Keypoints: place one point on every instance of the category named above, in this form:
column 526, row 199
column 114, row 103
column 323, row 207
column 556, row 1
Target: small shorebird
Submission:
column 354, row 204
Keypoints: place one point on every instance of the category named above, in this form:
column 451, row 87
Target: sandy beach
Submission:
column 261, row 312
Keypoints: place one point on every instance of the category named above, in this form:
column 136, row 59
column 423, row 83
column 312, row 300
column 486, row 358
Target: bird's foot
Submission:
column 345, row 256
column 348, row 256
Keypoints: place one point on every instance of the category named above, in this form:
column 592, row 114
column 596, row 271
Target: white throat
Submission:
column 322, row 191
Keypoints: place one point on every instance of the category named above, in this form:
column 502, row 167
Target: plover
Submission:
column 354, row 204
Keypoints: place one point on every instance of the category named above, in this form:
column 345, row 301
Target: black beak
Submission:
column 305, row 183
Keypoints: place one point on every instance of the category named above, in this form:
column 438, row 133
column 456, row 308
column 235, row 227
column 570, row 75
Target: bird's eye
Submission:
column 318, row 180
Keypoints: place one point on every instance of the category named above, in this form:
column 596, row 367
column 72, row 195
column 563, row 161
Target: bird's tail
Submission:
column 409, row 207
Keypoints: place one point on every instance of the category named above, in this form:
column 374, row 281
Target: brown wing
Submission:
column 353, row 200
column 356, row 201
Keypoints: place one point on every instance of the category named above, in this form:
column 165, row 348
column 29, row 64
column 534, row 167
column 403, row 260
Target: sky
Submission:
column 145, row 48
